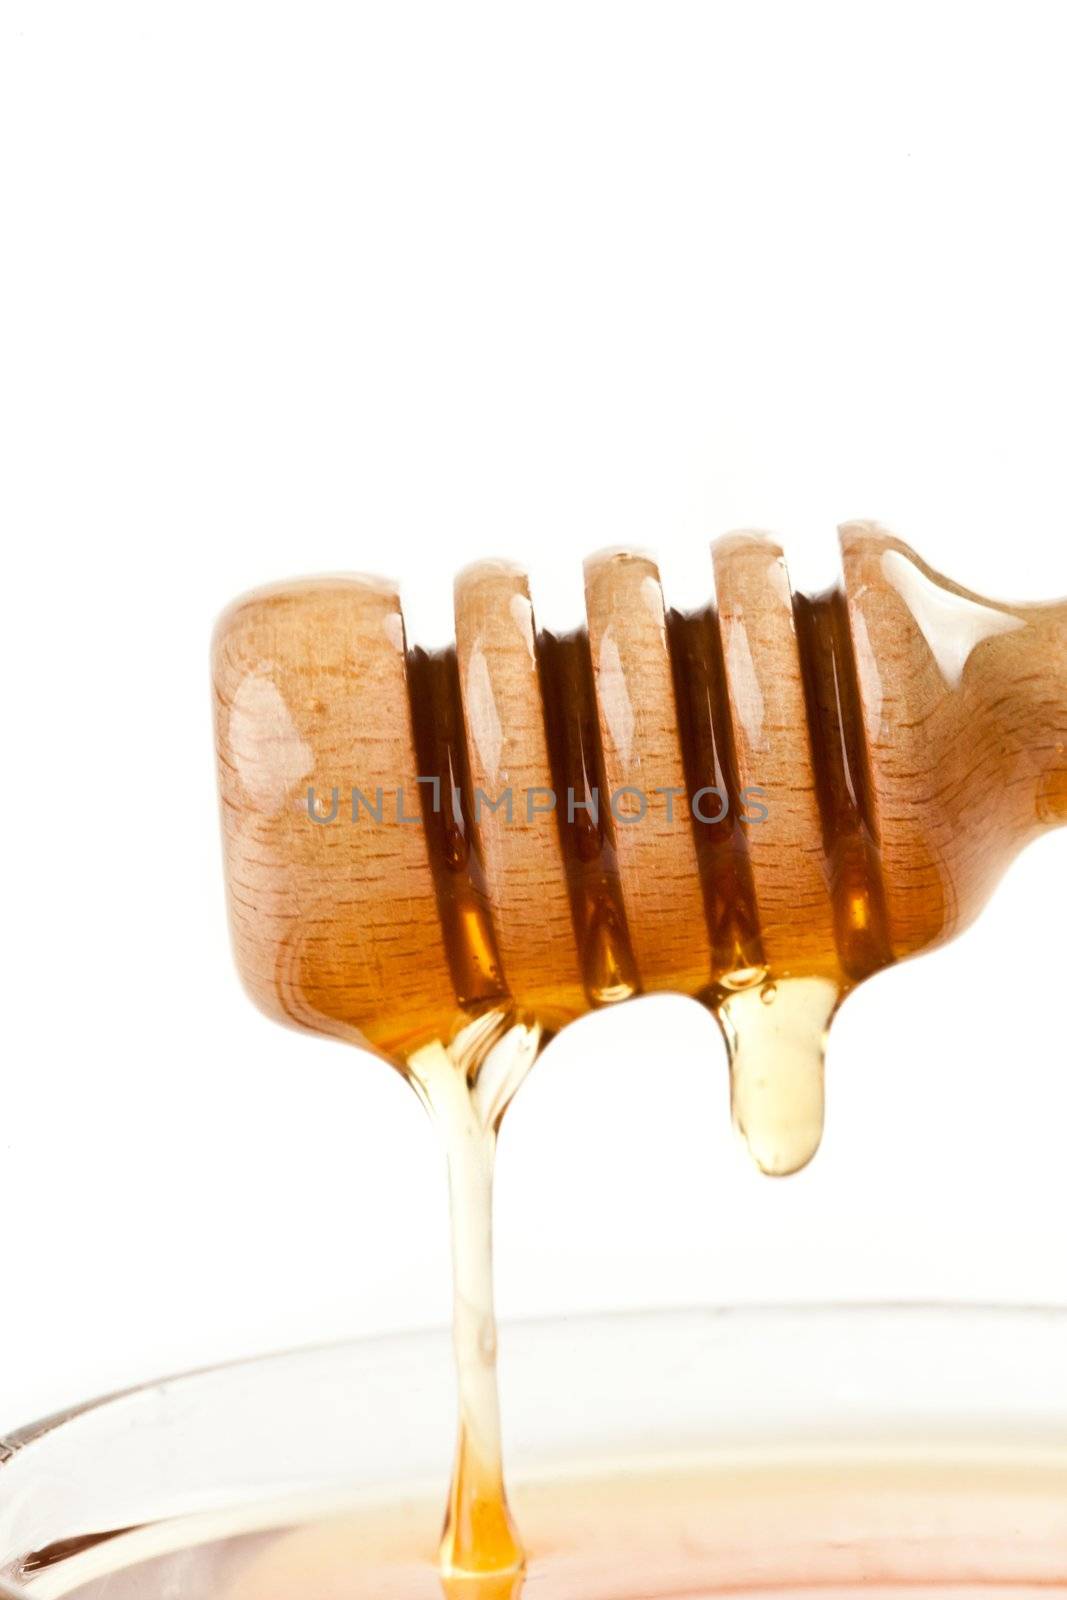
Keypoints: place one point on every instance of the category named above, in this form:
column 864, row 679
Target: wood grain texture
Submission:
column 773, row 750
column 334, row 924
column 496, row 646
column 642, row 752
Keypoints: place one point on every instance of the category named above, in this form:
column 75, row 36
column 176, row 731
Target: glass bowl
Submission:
column 783, row 1450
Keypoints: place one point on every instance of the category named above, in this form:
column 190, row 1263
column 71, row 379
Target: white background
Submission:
column 288, row 289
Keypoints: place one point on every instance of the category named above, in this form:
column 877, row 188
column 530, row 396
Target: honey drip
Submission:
column 901, row 738
column 775, row 1037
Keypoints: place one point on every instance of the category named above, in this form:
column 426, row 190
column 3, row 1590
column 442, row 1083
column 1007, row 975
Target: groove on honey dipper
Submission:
column 839, row 761
column 445, row 793
column 705, row 730
column 583, row 815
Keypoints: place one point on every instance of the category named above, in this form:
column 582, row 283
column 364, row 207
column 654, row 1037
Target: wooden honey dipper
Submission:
column 759, row 804
column 905, row 738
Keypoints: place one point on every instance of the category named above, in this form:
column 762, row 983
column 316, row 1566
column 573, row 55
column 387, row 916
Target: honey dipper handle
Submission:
column 964, row 708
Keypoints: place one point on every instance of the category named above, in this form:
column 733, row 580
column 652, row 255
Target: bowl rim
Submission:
column 756, row 1310
column 887, row 1320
